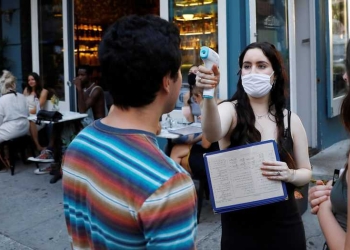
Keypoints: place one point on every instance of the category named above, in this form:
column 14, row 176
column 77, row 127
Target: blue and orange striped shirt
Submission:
column 122, row 192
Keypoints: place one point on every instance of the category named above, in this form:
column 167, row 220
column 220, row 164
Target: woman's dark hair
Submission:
column 191, row 86
column 38, row 86
column 245, row 131
column 345, row 107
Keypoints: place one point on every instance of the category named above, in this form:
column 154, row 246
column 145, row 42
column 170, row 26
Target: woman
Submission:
column 330, row 201
column 191, row 109
column 36, row 97
column 183, row 154
column 256, row 112
column 13, row 109
column 35, row 93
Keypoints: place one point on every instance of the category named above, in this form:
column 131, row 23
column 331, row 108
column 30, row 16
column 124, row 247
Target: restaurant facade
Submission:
column 53, row 37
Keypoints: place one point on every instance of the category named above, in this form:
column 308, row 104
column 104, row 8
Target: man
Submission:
column 120, row 190
column 90, row 96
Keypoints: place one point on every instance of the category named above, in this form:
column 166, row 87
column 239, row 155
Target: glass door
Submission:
column 338, row 33
column 53, row 49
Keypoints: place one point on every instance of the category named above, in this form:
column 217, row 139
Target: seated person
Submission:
column 14, row 110
column 191, row 111
column 190, row 154
column 36, row 97
column 91, row 97
column 191, row 108
column 90, row 100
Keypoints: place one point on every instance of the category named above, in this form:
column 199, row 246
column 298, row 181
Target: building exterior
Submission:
column 52, row 37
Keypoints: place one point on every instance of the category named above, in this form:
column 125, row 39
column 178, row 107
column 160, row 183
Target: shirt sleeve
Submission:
column 169, row 216
column 2, row 114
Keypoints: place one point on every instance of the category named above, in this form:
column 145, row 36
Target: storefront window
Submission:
column 338, row 37
column 272, row 26
column 51, row 46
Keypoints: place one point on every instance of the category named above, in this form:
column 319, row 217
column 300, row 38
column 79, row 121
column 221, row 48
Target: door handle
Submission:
column 69, row 83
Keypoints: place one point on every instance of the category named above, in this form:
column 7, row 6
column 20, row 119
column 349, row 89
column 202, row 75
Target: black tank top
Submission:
column 273, row 226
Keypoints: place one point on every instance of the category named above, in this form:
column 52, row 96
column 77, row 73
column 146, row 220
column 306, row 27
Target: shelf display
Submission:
column 87, row 38
column 197, row 21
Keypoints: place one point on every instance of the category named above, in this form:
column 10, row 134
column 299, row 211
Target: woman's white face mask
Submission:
column 257, row 85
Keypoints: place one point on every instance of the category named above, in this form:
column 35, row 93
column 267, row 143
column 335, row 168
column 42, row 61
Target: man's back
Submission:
column 121, row 196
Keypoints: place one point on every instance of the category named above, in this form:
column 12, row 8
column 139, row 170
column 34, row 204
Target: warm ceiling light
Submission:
column 188, row 16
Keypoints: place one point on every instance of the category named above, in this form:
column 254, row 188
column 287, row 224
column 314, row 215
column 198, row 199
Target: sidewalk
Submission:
column 31, row 212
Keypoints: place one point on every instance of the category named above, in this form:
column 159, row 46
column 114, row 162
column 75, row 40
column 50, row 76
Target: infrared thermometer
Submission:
column 209, row 57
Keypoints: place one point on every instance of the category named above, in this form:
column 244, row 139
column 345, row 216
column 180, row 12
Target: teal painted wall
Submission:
column 329, row 130
column 237, row 38
column 11, row 32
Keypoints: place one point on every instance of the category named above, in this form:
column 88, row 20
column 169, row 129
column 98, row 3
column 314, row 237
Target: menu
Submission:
column 236, row 180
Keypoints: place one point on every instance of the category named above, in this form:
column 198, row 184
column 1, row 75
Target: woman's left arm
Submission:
column 43, row 97
column 302, row 174
column 332, row 231
column 280, row 171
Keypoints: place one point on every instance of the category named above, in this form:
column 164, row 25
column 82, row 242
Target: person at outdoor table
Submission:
column 179, row 147
column 36, row 96
column 184, row 153
column 14, row 112
column 120, row 190
column 255, row 113
column 91, row 98
column 191, row 108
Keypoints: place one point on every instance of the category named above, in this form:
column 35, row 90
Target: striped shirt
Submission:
column 122, row 192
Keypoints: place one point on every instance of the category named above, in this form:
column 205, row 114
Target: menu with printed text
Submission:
column 235, row 178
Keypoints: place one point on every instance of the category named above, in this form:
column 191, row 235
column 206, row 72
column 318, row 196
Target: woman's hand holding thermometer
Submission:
column 209, row 57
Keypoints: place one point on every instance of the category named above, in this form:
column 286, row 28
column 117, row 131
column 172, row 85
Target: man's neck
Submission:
column 146, row 119
column 88, row 86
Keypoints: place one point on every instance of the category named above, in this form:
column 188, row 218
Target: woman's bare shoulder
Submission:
column 227, row 111
column 44, row 92
column 228, row 104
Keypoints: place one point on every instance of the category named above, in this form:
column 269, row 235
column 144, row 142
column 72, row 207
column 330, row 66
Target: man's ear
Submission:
column 166, row 83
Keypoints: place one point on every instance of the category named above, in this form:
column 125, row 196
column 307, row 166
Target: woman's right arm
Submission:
column 216, row 119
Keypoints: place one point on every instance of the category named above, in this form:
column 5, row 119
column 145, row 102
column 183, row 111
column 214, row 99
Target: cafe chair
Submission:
column 15, row 146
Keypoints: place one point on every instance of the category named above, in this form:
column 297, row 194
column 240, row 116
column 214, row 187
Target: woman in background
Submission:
column 183, row 154
column 35, row 94
column 13, row 109
column 36, row 97
column 13, row 114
